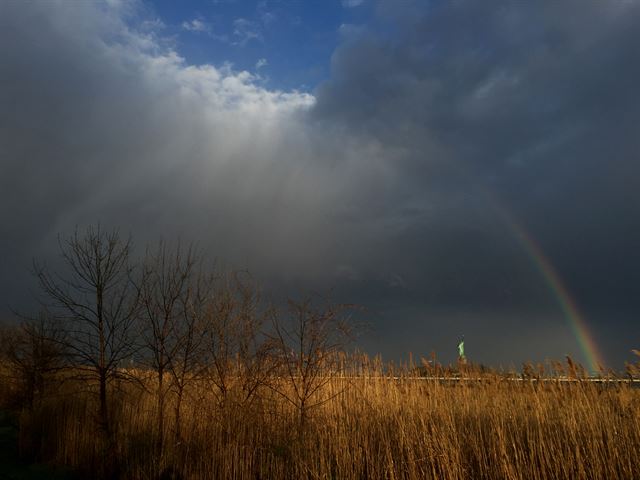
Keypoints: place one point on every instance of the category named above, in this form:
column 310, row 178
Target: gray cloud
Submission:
column 388, row 184
column 538, row 109
column 529, row 108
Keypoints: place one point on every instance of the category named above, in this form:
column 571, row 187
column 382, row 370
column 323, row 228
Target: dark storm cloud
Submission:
column 536, row 103
column 388, row 184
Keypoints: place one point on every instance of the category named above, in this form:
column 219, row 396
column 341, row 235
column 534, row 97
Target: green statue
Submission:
column 461, row 349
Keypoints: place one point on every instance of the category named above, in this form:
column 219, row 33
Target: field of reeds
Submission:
column 370, row 421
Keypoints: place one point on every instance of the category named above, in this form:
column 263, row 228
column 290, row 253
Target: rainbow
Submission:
column 569, row 307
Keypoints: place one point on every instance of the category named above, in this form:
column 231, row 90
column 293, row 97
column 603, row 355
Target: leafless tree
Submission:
column 236, row 351
column 309, row 342
column 34, row 351
column 164, row 288
column 96, row 304
column 185, row 363
column 253, row 348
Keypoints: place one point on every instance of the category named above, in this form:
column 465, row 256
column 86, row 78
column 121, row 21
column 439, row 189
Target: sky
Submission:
column 454, row 167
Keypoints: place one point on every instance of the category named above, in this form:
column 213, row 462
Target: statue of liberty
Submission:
column 461, row 358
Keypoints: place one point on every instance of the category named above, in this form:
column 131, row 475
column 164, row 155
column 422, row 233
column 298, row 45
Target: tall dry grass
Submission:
column 368, row 423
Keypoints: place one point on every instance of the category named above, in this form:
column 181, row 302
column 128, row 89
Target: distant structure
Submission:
column 461, row 358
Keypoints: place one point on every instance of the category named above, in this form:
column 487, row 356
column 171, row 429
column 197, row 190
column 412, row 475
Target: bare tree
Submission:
column 309, row 342
column 34, row 351
column 164, row 288
column 94, row 300
column 185, row 362
column 236, row 351
column 253, row 349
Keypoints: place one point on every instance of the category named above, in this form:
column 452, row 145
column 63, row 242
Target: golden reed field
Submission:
column 365, row 420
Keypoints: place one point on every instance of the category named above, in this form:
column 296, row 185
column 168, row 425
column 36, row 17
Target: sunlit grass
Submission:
column 371, row 424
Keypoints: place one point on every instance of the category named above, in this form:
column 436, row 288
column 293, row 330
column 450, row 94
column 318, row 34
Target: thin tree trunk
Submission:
column 178, row 427
column 160, row 419
column 104, row 417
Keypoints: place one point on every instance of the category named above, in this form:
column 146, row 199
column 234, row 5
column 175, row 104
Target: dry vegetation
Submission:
column 372, row 425
column 170, row 372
